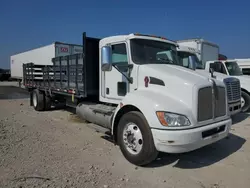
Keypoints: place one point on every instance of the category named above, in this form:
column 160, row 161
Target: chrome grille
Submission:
column 233, row 89
column 220, row 102
column 211, row 104
column 205, row 104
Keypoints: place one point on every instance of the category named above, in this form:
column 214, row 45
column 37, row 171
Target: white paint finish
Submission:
column 244, row 79
column 244, row 82
column 40, row 56
column 205, row 72
column 206, row 50
column 209, row 52
column 170, row 98
column 187, row 140
column 243, row 63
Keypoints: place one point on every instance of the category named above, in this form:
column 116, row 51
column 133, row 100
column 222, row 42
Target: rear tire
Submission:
column 38, row 100
column 47, row 103
column 246, row 104
column 144, row 142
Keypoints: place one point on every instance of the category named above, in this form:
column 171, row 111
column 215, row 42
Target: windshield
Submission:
column 186, row 57
column 233, row 68
column 145, row 51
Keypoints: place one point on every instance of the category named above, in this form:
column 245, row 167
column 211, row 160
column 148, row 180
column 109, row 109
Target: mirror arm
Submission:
column 130, row 80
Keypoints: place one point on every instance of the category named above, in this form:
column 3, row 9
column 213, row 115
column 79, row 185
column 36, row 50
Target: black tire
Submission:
column 148, row 152
column 246, row 97
column 47, row 102
column 39, row 106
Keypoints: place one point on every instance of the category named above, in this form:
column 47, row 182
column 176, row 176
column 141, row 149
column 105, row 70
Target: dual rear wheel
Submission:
column 40, row 101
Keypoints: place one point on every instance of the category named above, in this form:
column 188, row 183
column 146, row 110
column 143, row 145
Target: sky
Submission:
column 27, row 24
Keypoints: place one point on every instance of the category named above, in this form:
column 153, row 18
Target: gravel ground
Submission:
column 56, row 149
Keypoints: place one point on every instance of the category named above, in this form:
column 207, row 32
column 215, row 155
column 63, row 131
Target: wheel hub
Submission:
column 132, row 138
column 242, row 102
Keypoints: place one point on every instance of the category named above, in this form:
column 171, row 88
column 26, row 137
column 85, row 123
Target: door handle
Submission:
column 107, row 90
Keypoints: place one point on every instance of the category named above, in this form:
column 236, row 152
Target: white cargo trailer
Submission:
column 207, row 51
column 244, row 64
column 42, row 55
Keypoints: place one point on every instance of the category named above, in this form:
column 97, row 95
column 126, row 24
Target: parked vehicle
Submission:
column 188, row 54
column 205, row 50
column 231, row 68
column 147, row 104
column 244, row 65
column 42, row 56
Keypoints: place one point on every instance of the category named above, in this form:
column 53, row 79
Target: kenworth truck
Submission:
column 188, row 54
column 146, row 104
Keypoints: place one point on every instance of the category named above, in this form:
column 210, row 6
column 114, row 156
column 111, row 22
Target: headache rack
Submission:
column 66, row 75
column 76, row 74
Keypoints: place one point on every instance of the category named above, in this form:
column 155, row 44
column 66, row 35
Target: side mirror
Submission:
column 192, row 64
column 212, row 66
column 211, row 71
column 106, row 59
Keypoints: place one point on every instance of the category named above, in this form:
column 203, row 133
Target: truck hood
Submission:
column 219, row 76
column 244, row 82
column 180, row 84
column 178, row 73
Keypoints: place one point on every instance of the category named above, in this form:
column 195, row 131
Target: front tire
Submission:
column 245, row 101
column 135, row 139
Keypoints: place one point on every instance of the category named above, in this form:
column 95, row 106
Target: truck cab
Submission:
column 149, row 104
column 232, row 69
column 188, row 56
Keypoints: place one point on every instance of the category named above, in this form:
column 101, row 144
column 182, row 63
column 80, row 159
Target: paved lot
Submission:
column 56, row 149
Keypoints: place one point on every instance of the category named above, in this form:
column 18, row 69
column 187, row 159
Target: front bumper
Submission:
column 234, row 108
column 180, row 141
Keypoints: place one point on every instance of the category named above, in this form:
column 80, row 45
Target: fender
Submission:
column 148, row 102
column 245, row 87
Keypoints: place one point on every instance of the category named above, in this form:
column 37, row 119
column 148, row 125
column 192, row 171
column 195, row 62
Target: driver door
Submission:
column 115, row 84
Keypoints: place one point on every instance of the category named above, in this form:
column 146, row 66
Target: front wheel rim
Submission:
column 242, row 102
column 132, row 138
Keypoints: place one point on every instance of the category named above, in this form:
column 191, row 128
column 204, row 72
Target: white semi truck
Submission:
column 188, row 56
column 147, row 104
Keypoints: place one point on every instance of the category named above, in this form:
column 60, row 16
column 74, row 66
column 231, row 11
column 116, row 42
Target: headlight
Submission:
column 172, row 120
